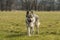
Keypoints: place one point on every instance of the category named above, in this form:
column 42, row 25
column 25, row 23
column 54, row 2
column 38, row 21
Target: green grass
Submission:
column 13, row 27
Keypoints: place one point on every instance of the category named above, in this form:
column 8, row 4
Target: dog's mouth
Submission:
column 29, row 20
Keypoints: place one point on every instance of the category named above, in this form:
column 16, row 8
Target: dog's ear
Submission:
column 27, row 13
column 31, row 11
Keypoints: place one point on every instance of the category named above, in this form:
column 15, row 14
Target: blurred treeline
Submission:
column 40, row 5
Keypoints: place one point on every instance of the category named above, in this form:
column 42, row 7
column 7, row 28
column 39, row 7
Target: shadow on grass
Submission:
column 23, row 34
column 16, row 35
column 49, row 33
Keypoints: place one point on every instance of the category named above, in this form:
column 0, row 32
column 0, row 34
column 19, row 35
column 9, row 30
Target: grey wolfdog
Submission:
column 32, row 20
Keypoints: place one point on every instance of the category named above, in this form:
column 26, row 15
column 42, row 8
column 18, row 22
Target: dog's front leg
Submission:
column 29, row 34
column 32, row 28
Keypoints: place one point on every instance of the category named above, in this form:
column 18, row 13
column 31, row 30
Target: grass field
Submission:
column 13, row 27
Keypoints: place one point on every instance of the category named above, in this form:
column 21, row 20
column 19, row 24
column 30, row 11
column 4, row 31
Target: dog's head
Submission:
column 29, row 16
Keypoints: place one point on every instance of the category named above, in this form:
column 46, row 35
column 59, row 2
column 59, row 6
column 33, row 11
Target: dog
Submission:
column 32, row 20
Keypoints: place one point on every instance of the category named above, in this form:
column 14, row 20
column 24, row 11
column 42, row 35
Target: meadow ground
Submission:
column 13, row 27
